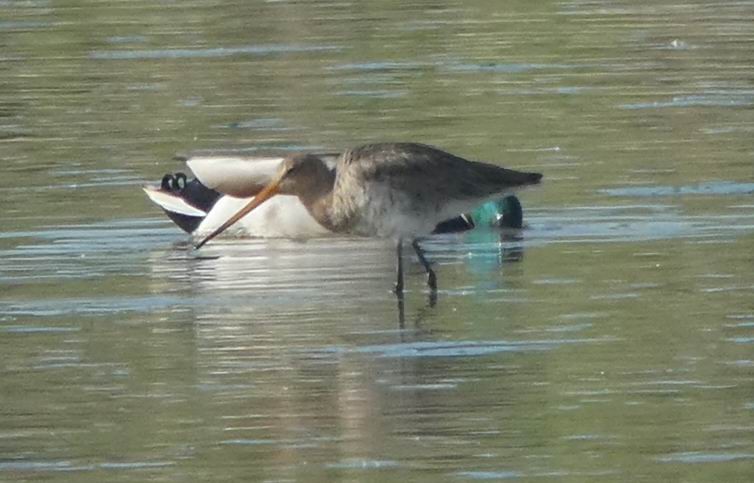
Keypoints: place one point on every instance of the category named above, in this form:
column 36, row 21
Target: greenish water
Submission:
column 612, row 341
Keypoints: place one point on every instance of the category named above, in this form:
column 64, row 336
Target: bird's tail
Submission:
column 523, row 178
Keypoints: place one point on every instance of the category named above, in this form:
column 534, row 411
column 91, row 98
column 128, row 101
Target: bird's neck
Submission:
column 318, row 200
column 321, row 210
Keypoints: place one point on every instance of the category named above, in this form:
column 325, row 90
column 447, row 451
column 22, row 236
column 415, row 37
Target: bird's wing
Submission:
column 427, row 174
column 240, row 176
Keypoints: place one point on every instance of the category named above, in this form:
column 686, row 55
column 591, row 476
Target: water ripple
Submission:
column 692, row 457
column 707, row 188
column 157, row 54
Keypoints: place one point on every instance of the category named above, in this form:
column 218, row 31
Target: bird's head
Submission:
column 299, row 174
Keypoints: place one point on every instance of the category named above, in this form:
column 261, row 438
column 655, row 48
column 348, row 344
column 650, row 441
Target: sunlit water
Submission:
column 611, row 340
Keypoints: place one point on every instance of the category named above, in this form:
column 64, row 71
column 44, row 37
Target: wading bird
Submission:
column 389, row 190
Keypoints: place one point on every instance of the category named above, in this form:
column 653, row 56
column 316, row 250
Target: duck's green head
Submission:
column 502, row 213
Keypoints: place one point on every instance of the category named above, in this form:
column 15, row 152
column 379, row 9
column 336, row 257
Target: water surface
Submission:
column 611, row 340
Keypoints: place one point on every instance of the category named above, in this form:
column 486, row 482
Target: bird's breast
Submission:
column 377, row 210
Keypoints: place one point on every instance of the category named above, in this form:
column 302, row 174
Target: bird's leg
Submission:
column 401, row 313
column 399, row 268
column 431, row 278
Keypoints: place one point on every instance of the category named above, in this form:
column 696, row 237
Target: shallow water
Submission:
column 611, row 340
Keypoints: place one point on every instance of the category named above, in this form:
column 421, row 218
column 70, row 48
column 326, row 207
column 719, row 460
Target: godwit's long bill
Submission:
column 390, row 190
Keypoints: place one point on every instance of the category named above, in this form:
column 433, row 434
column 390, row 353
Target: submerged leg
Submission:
column 431, row 278
column 401, row 313
column 399, row 268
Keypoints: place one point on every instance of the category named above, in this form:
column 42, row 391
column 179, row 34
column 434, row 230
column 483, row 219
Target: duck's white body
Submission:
column 282, row 217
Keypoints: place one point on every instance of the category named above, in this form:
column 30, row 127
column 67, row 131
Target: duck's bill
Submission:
column 267, row 192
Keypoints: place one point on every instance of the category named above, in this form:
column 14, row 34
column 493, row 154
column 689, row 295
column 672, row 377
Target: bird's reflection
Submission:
column 317, row 319
column 421, row 314
column 336, row 273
